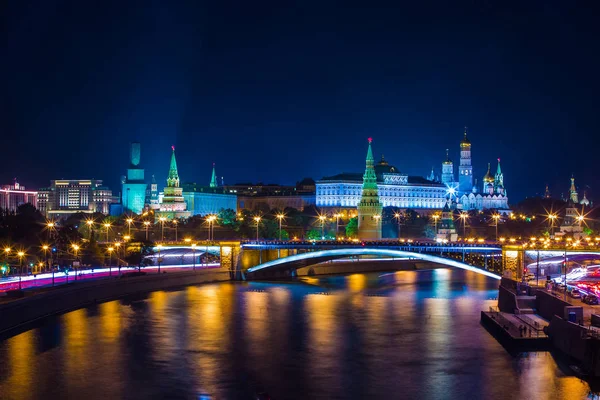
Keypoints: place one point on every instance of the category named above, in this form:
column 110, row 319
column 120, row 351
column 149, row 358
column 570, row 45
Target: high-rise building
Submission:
column 369, row 207
column 12, row 196
column 65, row 197
column 465, row 169
column 172, row 204
column 133, row 193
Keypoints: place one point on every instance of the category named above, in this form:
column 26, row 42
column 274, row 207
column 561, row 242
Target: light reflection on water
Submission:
column 406, row 335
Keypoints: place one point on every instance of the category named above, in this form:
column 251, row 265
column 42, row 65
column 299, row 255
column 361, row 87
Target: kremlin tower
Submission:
column 369, row 207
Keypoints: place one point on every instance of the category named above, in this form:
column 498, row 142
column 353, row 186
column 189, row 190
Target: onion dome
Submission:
column 488, row 178
column 465, row 142
column 448, row 160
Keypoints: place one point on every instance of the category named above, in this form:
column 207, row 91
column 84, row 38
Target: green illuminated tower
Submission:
column 172, row 204
column 213, row 179
column 369, row 207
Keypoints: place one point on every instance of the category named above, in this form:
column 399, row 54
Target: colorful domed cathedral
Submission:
column 493, row 194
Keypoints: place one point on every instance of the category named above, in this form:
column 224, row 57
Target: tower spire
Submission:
column 213, row 179
column 573, row 191
column 173, row 179
column 369, row 207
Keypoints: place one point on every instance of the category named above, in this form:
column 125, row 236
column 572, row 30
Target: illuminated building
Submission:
column 133, row 194
column 446, row 228
column 12, row 196
column 415, row 192
column 571, row 223
column 208, row 200
column 394, row 190
column 152, row 197
column 65, row 197
column 369, row 207
column 171, row 203
column 465, row 169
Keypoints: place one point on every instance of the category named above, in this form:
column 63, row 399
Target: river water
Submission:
column 407, row 335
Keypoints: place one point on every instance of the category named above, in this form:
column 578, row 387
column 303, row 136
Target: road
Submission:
column 45, row 279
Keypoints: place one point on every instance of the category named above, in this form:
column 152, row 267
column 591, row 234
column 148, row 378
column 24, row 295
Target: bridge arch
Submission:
column 305, row 259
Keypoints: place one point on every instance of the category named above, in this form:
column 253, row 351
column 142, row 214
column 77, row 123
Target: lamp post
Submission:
column 45, row 247
column 129, row 222
column 90, row 223
column 147, row 224
column 211, row 222
column 162, row 228
column 50, row 225
column 435, row 220
column 464, row 216
column 337, row 223
column 75, row 249
column 257, row 219
column 280, row 217
column 118, row 247
column 551, row 218
column 322, row 218
column 107, row 226
column 110, row 250
column 21, row 254
column 159, row 247
column 496, row 217
column 175, row 223
column 194, row 256
column 398, row 216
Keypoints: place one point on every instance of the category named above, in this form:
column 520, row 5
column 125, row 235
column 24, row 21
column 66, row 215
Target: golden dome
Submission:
column 488, row 178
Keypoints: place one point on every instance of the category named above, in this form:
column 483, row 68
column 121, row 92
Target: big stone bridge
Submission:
column 271, row 259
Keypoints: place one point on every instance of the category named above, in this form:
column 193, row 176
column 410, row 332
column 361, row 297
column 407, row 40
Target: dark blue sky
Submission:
column 274, row 91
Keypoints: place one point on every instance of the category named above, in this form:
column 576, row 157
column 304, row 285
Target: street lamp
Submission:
column 322, row 218
column 90, row 223
column 551, row 218
column 50, row 225
column 75, row 249
column 194, row 256
column 257, row 219
column 280, row 217
column 129, row 222
column 464, row 216
column 147, row 224
column 435, row 220
column 398, row 217
column 162, row 228
column 496, row 217
column 118, row 247
column 107, row 226
column 110, row 250
column 211, row 221
column 159, row 247
column 45, row 247
column 337, row 223
column 21, row 254
column 580, row 219
column 175, row 222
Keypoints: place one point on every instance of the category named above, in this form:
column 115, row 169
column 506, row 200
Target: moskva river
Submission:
column 405, row 335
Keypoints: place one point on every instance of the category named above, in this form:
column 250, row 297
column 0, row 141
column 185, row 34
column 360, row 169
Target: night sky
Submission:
column 275, row 91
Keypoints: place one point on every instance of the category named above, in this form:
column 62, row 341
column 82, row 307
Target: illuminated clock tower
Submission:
column 465, row 169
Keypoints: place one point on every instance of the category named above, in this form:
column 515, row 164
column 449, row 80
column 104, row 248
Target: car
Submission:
column 590, row 299
column 574, row 293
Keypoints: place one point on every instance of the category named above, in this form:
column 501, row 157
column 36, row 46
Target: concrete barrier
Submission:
column 15, row 314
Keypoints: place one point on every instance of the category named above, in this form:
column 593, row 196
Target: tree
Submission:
column 93, row 254
column 313, row 234
column 352, row 227
column 227, row 217
column 138, row 254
